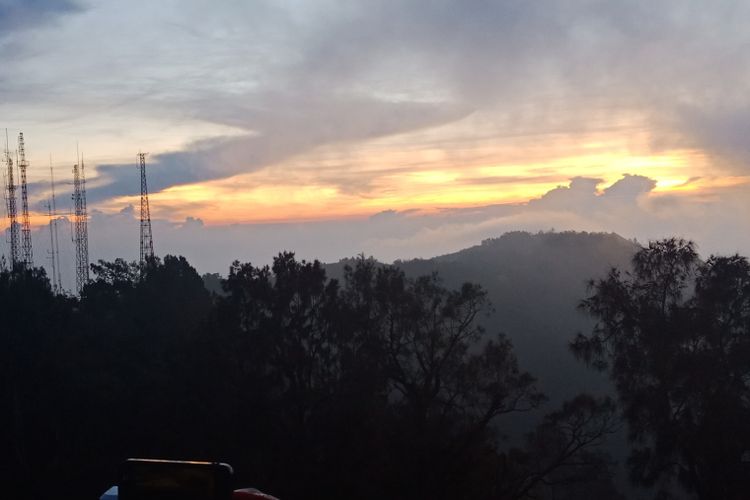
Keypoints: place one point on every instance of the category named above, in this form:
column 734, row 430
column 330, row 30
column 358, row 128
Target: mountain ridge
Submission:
column 534, row 282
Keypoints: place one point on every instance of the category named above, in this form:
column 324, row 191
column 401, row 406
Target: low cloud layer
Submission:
column 405, row 86
column 718, row 224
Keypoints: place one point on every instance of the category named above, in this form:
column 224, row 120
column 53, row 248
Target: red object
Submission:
column 251, row 494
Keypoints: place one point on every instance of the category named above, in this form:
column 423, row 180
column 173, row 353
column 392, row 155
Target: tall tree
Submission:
column 674, row 334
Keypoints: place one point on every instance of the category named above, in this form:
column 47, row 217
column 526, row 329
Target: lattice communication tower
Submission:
column 26, row 250
column 80, row 226
column 11, row 208
column 147, row 241
column 54, row 242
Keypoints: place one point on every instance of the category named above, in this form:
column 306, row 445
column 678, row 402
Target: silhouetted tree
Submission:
column 560, row 458
column 32, row 320
column 297, row 370
column 446, row 385
column 374, row 386
column 675, row 336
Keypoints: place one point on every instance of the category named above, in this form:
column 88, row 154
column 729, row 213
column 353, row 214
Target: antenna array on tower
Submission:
column 80, row 226
column 53, row 239
column 27, row 253
column 147, row 242
column 10, row 205
column 21, row 253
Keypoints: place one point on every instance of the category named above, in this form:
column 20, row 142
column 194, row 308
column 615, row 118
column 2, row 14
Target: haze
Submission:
column 395, row 128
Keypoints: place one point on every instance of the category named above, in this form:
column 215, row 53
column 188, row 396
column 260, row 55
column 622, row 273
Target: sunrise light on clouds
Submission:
column 366, row 249
column 260, row 112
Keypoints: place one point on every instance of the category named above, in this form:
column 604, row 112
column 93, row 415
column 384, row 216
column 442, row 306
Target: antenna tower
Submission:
column 80, row 226
column 53, row 239
column 52, row 252
column 10, row 204
column 28, row 254
column 147, row 242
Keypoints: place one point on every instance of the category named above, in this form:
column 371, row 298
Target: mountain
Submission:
column 535, row 282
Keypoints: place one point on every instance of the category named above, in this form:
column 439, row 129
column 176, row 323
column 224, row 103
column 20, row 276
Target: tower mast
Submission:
column 147, row 242
column 28, row 254
column 54, row 241
column 52, row 252
column 80, row 226
column 10, row 203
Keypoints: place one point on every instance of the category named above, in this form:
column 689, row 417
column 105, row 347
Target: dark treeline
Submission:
column 377, row 386
column 371, row 386
column 674, row 335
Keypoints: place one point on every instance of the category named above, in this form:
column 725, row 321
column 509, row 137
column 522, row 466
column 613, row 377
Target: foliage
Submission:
column 376, row 385
column 674, row 336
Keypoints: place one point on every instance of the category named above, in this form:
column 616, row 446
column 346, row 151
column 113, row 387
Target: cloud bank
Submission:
column 718, row 224
column 312, row 88
column 289, row 77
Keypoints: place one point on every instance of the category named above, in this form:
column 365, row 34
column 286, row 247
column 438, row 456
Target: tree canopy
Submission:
column 375, row 385
column 674, row 334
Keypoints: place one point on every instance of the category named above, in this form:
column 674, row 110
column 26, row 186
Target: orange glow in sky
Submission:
column 271, row 195
column 445, row 167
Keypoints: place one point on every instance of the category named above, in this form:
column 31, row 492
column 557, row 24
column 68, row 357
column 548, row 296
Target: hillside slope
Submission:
column 535, row 282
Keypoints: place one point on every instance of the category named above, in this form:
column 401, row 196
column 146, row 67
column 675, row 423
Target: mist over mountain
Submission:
column 535, row 283
column 460, row 376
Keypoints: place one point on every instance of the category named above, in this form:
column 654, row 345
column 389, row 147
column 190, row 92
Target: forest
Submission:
column 374, row 383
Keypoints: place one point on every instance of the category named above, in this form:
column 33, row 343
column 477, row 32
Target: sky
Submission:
column 394, row 128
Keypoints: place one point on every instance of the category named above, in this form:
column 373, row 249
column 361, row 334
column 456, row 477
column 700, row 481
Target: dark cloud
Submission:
column 721, row 130
column 529, row 65
column 192, row 222
column 20, row 14
column 583, row 197
column 580, row 191
column 629, row 188
column 384, row 215
column 677, row 65
column 284, row 128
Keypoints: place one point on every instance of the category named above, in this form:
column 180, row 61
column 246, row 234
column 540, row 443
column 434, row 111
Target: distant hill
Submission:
column 535, row 282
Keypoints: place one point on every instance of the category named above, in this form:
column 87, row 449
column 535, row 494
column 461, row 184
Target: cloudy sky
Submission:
column 397, row 128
